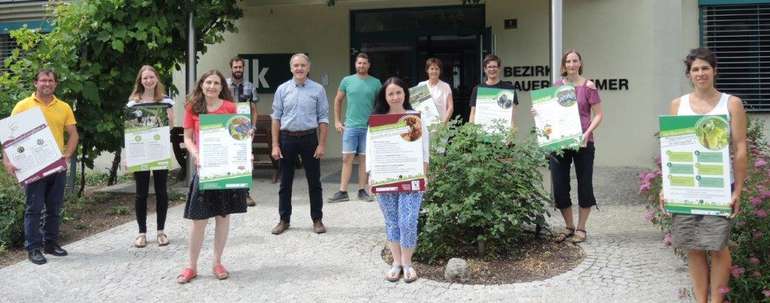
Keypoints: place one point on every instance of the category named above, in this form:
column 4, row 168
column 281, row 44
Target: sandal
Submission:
column 577, row 238
column 410, row 275
column 140, row 241
column 393, row 274
column 220, row 272
column 186, row 276
column 564, row 236
column 162, row 239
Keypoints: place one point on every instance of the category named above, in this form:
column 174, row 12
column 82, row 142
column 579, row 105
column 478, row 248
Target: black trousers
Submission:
column 584, row 169
column 304, row 146
column 142, row 179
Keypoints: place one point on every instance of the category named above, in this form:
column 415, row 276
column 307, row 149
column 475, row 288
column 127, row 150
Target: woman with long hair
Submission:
column 591, row 114
column 208, row 97
column 149, row 91
column 702, row 235
column 400, row 209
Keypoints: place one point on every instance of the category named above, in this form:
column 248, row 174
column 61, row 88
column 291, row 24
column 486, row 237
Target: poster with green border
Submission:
column 422, row 101
column 557, row 120
column 395, row 152
column 695, row 162
column 494, row 105
column 225, row 152
column 146, row 138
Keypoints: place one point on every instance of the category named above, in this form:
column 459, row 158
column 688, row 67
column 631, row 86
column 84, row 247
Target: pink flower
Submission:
column 754, row 260
column 667, row 239
column 766, row 292
column 649, row 215
column 644, row 187
column 761, row 213
column 724, row 290
column 756, row 274
column 756, row 201
column 764, row 194
column 737, row 271
column 759, row 163
column 757, row 235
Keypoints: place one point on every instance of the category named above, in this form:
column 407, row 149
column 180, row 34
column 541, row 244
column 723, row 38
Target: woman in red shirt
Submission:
column 209, row 97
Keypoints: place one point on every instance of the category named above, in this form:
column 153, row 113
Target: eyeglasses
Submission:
column 492, row 67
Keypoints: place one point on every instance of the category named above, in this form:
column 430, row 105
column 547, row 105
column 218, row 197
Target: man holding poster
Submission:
column 47, row 192
column 498, row 99
column 300, row 124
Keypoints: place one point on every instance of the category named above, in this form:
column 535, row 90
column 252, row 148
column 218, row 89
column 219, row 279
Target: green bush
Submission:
column 750, row 240
column 12, row 202
column 484, row 193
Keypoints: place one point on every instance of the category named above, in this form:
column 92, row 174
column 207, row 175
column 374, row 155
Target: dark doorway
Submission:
column 398, row 41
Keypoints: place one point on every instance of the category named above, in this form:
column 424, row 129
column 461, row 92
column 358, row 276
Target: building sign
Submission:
column 542, row 75
column 267, row 71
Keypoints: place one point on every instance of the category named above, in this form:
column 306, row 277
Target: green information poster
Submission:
column 494, row 105
column 147, row 138
column 557, row 119
column 695, row 157
column 225, row 152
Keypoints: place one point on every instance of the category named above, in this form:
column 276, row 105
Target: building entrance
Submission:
column 398, row 41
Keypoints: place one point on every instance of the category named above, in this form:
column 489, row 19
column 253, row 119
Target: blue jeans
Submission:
column 354, row 141
column 44, row 195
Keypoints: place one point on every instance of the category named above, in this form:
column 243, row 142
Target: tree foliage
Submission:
column 97, row 46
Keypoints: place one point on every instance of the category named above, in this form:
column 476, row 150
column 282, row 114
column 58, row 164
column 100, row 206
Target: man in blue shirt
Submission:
column 300, row 126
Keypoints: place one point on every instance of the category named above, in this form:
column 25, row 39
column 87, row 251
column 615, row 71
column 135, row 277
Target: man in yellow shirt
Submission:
column 48, row 191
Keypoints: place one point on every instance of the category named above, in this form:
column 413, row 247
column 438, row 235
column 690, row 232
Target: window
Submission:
column 7, row 44
column 739, row 35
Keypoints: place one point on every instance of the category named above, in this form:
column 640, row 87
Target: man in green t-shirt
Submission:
column 359, row 90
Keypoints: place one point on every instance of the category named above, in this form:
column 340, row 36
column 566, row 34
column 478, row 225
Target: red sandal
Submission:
column 220, row 272
column 186, row 276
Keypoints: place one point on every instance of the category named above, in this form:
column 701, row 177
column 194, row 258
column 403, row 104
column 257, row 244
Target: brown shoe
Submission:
column 250, row 201
column 280, row 227
column 318, row 227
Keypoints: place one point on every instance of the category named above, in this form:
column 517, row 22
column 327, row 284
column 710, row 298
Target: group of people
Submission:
column 300, row 123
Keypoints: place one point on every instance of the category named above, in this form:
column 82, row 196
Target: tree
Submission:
column 97, row 47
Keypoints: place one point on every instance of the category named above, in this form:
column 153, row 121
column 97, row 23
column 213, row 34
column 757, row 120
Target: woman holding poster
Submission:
column 400, row 209
column 583, row 158
column 492, row 84
column 439, row 90
column 149, row 91
column 702, row 235
column 209, row 97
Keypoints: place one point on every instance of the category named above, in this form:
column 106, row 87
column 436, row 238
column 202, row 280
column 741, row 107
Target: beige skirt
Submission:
column 699, row 232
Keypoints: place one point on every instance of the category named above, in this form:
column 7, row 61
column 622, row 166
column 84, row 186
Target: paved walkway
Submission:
column 626, row 261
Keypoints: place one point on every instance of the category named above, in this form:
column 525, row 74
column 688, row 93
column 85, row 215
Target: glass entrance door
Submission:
column 398, row 41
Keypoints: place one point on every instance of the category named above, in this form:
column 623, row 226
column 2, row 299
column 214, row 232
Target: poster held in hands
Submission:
column 225, row 152
column 30, row 146
column 396, row 153
column 557, row 120
column 695, row 162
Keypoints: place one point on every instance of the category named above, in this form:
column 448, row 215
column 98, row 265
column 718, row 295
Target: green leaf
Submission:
column 117, row 45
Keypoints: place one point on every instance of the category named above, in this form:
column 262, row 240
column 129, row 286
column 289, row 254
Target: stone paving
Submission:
column 625, row 260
